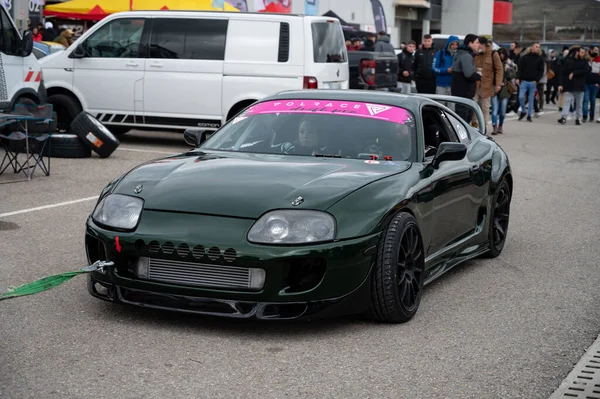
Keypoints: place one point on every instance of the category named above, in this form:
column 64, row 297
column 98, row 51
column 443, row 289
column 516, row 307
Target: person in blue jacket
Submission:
column 442, row 66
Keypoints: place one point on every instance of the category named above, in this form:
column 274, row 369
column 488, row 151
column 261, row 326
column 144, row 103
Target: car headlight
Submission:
column 118, row 211
column 293, row 227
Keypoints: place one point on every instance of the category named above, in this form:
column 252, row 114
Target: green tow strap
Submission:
column 49, row 282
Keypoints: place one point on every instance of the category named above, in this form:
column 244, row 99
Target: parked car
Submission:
column 372, row 71
column 307, row 204
column 42, row 49
column 185, row 69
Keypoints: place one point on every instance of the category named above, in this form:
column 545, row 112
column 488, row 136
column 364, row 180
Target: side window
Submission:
column 189, row 39
column 436, row 129
column 120, row 38
column 460, row 129
column 9, row 40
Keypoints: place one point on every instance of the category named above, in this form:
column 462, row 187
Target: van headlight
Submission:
column 118, row 211
column 293, row 227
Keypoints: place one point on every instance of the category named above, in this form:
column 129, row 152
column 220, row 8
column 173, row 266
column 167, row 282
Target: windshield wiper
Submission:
column 326, row 155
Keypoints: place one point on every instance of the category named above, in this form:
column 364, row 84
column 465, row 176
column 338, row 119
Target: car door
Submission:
column 109, row 77
column 12, row 65
column 451, row 186
column 184, row 73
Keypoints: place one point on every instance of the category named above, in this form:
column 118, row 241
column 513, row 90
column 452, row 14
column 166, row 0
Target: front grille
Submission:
column 198, row 274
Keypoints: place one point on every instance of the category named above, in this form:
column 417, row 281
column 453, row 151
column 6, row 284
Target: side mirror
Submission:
column 79, row 52
column 27, row 43
column 449, row 152
column 195, row 137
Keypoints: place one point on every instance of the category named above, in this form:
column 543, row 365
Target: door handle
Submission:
column 156, row 65
column 474, row 169
column 132, row 64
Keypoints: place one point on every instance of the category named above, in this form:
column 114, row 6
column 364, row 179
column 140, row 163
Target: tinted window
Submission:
column 191, row 39
column 117, row 39
column 311, row 127
column 328, row 42
column 9, row 40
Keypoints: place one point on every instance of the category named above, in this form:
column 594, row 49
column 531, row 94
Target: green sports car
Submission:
column 306, row 204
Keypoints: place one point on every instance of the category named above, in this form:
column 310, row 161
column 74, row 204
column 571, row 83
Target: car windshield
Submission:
column 324, row 128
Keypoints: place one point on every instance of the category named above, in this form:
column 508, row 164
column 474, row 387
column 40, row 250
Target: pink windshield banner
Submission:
column 327, row 107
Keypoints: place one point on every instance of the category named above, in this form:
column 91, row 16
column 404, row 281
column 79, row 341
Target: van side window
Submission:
column 9, row 40
column 328, row 42
column 190, row 39
column 120, row 38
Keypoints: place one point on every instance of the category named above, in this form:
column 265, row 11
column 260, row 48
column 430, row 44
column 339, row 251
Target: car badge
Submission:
column 338, row 73
column 297, row 201
column 138, row 189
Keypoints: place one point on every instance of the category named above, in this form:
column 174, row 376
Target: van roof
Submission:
column 218, row 13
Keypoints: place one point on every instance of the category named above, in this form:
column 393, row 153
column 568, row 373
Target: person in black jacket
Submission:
column 531, row 70
column 406, row 62
column 464, row 74
column 572, row 82
column 424, row 76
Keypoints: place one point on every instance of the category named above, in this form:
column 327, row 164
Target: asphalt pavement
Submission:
column 511, row 327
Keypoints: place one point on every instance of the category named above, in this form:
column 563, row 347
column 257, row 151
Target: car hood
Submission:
column 248, row 185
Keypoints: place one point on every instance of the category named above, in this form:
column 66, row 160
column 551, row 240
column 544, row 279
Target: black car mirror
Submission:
column 27, row 44
column 449, row 152
column 195, row 137
column 79, row 52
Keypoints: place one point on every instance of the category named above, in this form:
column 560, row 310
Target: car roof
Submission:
column 410, row 102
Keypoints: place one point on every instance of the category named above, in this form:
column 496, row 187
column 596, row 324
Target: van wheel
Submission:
column 67, row 109
column 119, row 130
column 25, row 100
column 94, row 134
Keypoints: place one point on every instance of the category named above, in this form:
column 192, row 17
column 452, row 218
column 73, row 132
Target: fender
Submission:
column 23, row 92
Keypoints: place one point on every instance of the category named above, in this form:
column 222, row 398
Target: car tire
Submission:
column 499, row 218
column 67, row 109
column 94, row 134
column 64, row 145
column 398, row 275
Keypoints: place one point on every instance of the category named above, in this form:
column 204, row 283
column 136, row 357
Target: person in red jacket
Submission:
column 37, row 36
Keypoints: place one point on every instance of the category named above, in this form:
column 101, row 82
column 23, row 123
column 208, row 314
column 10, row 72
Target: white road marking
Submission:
column 148, row 151
column 40, row 208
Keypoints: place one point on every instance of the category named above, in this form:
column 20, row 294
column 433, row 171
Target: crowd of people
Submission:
column 501, row 81
column 45, row 32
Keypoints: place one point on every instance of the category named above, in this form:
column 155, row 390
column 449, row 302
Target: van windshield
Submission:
column 328, row 42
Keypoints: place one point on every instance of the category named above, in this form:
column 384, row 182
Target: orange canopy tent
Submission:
column 95, row 10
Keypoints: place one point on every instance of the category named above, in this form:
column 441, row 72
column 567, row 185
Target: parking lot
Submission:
column 509, row 327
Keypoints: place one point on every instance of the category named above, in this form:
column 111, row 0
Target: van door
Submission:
column 11, row 66
column 184, row 72
column 105, row 78
column 326, row 55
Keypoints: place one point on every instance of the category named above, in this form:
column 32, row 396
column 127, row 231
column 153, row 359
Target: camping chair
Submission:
column 29, row 130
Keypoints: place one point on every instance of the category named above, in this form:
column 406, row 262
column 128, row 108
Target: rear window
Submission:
column 341, row 129
column 328, row 42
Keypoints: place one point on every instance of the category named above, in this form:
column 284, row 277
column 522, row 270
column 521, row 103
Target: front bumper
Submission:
column 340, row 285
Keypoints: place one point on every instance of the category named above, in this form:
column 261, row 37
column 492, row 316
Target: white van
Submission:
column 174, row 70
column 21, row 78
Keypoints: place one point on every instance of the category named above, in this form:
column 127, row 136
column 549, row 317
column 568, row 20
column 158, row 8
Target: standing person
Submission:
column 541, row 87
column 489, row 63
column 552, row 87
column 369, row 44
column 464, row 74
column 572, row 82
column 37, row 36
column 500, row 100
column 49, row 33
column 513, row 47
column 591, row 84
column 562, row 58
column 406, row 60
column 424, row 76
column 531, row 70
column 383, row 44
column 442, row 66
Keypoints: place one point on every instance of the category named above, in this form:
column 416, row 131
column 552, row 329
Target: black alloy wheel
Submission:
column 499, row 220
column 398, row 276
